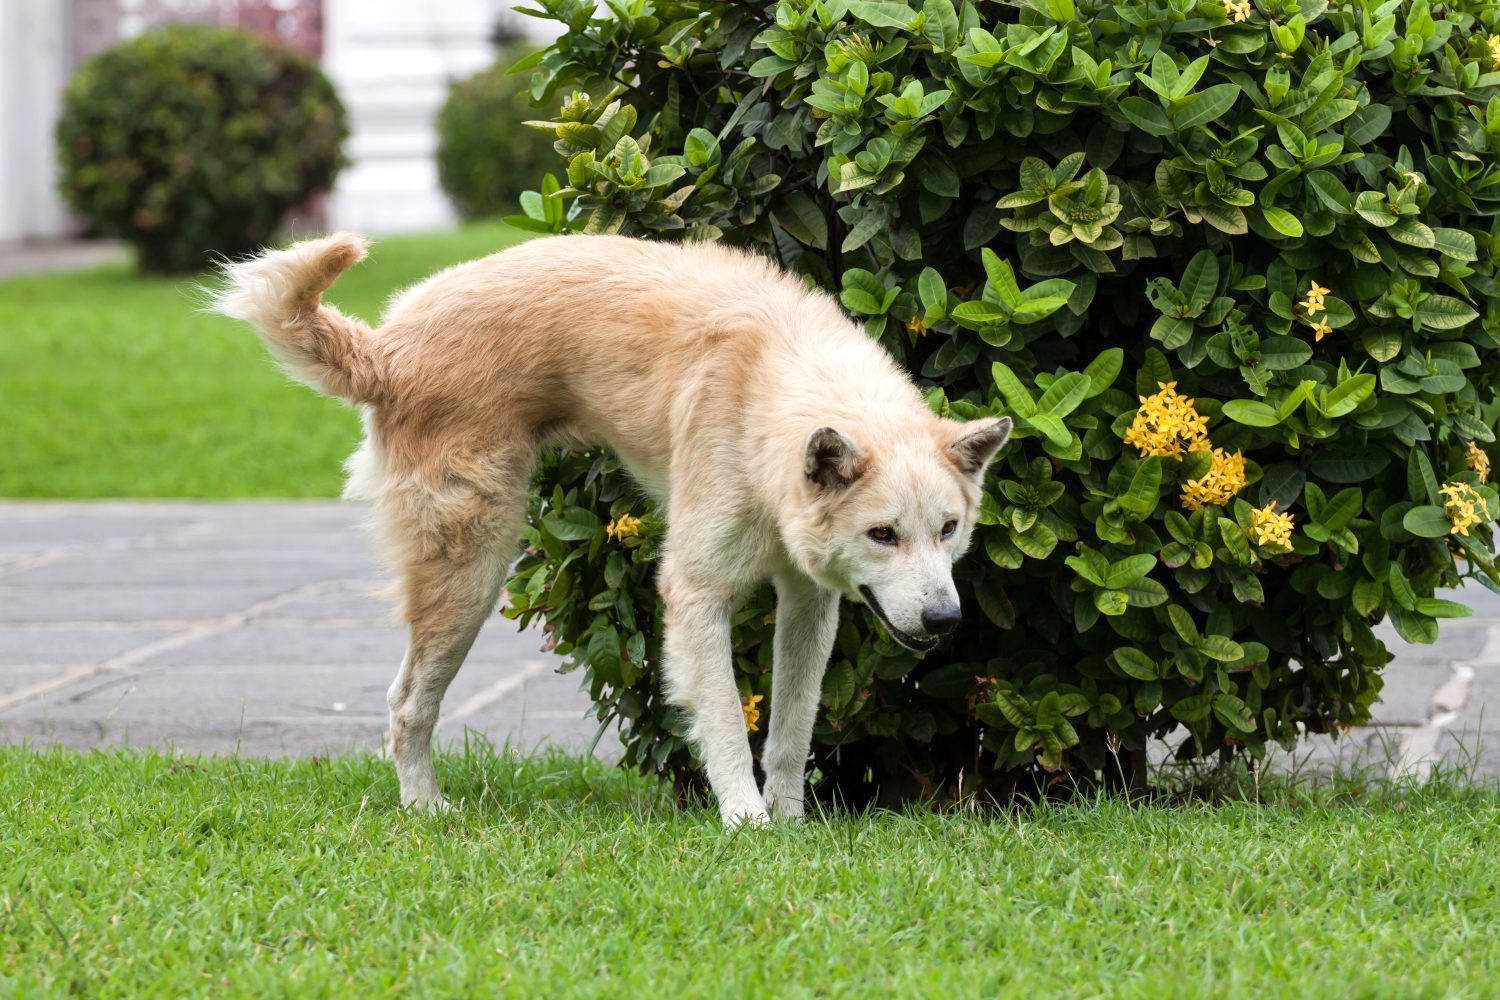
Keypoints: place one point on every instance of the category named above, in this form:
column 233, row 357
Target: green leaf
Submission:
column 1427, row 521
column 940, row 24
column 934, row 294
column 1134, row 663
column 1193, row 708
column 882, row 13
column 799, row 216
column 573, row 524
column 1122, row 573
column 1345, row 397
column 1200, row 279
column 1233, row 712
column 1341, row 509
column 1436, row 607
column 1182, row 624
column 1145, row 488
column 1063, row 396
column 1017, row 399
column 1454, row 243
column 838, row 685
column 1250, row 412
column 1146, row 116
column 1444, row 312
column 1103, row 370
column 1038, row 542
column 1086, row 570
column 1221, row 648
column 1282, row 221
column 1111, row 602
column 1279, row 354
column 1234, row 540
column 1205, row 106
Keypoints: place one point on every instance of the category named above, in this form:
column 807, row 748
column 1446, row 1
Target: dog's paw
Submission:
column 435, row 805
column 784, row 803
column 745, row 812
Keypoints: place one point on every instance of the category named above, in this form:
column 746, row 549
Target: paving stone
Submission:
column 274, row 642
column 144, row 602
column 29, row 531
column 26, row 646
column 357, row 601
column 1406, row 699
column 253, row 739
column 194, row 566
column 19, row 678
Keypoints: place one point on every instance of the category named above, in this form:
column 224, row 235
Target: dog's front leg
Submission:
column 807, row 619
column 699, row 671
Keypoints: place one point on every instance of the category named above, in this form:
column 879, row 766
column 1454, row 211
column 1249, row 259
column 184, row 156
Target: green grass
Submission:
column 125, row 874
column 115, row 385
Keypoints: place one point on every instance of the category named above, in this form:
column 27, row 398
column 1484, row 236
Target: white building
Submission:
column 391, row 60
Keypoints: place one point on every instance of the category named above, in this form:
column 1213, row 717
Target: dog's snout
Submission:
column 941, row 619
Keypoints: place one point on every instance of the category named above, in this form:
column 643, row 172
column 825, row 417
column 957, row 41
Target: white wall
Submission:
column 392, row 62
column 33, row 54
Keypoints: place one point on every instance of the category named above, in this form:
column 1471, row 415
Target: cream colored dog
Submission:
column 781, row 442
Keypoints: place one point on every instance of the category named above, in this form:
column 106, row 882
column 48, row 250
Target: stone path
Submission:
column 37, row 257
column 250, row 627
column 237, row 626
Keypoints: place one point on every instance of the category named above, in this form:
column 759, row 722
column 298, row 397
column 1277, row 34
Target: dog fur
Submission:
column 781, row 442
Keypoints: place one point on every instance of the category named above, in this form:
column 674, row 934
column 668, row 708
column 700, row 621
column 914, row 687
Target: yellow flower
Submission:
column 1271, row 529
column 622, row 526
column 1494, row 43
column 1314, row 303
column 1167, row 425
column 1321, row 328
column 1459, row 503
column 1478, row 460
column 750, row 704
column 1224, row 478
column 1239, row 10
column 917, row 327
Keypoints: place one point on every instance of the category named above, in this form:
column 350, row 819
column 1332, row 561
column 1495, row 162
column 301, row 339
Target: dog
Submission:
column 781, row 442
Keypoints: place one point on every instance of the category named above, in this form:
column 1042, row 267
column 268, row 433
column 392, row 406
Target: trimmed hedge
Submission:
column 188, row 141
column 486, row 156
column 1230, row 266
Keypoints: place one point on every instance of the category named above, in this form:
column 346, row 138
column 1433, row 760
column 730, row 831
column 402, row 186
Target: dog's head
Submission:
column 888, row 518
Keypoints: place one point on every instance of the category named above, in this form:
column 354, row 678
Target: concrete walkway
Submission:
column 236, row 626
column 44, row 256
column 218, row 627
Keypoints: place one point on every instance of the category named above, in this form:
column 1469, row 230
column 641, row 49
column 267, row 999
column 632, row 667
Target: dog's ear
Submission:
column 832, row 461
column 976, row 443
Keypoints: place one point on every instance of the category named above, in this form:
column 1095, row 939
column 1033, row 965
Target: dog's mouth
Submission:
column 911, row 642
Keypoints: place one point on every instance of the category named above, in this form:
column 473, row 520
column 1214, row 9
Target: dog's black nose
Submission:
column 941, row 620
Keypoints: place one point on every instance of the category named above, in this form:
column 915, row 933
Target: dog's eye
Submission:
column 884, row 535
column 949, row 529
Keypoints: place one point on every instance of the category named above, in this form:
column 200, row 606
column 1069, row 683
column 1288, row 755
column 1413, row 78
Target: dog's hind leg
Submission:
column 450, row 584
column 807, row 619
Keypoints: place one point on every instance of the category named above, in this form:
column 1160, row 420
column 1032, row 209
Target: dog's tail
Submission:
column 279, row 293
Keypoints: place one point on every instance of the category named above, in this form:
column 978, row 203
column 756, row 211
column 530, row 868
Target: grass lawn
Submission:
column 128, row 874
column 113, row 385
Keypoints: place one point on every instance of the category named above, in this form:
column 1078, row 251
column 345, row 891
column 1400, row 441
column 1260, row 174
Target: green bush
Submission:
column 192, row 140
column 1231, row 266
column 486, row 156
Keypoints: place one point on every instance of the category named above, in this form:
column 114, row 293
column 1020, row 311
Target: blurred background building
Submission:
column 392, row 62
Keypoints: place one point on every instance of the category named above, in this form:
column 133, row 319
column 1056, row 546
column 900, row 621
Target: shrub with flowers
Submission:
column 1230, row 266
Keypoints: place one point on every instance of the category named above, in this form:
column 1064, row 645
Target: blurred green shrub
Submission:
column 486, row 157
column 192, row 140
